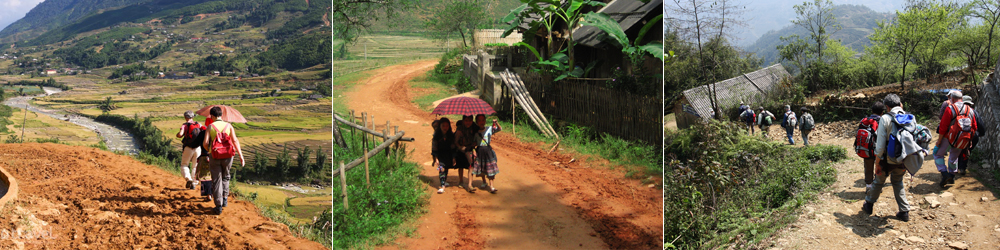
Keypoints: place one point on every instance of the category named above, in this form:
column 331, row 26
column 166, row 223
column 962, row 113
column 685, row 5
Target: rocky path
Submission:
column 964, row 216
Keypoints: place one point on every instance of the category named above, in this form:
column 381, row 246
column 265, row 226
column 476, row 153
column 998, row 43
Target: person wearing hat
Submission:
column 789, row 122
column 944, row 143
column 963, row 159
column 806, row 125
column 885, row 171
column 191, row 137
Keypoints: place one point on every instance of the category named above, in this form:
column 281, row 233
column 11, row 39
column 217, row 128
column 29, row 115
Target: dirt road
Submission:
column 74, row 197
column 539, row 205
column 964, row 219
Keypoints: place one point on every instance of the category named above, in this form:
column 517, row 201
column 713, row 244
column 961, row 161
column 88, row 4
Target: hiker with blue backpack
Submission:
column 223, row 146
column 963, row 159
column 788, row 121
column 864, row 141
column 954, row 135
column 900, row 147
column 747, row 116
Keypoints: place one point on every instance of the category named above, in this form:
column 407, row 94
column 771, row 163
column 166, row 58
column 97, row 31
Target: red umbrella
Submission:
column 229, row 114
column 463, row 106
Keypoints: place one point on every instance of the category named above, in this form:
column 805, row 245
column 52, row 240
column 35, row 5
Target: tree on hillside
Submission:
column 989, row 12
column 302, row 158
column 321, row 157
column 350, row 18
column 457, row 16
column 931, row 54
column 908, row 31
column 703, row 22
column 817, row 18
column 969, row 40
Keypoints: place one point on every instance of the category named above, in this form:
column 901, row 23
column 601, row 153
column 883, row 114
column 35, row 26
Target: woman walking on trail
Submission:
column 443, row 151
column 223, row 145
column 192, row 136
column 486, row 160
column 466, row 138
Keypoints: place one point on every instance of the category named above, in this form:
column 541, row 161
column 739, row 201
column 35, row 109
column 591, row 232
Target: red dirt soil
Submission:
column 540, row 204
column 74, row 197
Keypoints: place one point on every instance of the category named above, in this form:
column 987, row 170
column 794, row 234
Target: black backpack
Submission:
column 193, row 136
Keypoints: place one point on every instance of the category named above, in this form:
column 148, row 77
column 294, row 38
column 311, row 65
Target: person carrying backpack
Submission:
column 864, row 141
column 789, row 122
column 191, row 138
column 223, row 146
column 963, row 159
column 807, row 125
column 883, row 168
column 765, row 119
column 955, row 134
column 748, row 117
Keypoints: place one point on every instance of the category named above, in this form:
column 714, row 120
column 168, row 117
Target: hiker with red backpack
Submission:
column 963, row 159
column 190, row 134
column 864, row 141
column 954, row 135
column 223, row 146
column 886, row 166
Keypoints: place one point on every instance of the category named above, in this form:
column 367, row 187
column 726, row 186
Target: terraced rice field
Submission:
column 386, row 50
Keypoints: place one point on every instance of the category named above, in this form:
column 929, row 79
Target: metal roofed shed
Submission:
column 695, row 105
column 627, row 13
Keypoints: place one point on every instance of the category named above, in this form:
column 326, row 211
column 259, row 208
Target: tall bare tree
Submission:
column 989, row 11
column 699, row 21
column 817, row 18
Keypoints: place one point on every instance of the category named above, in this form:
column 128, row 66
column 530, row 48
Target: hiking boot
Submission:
column 217, row 210
column 867, row 208
column 188, row 185
column 903, row 216
column 944, row 181
column 961, row 171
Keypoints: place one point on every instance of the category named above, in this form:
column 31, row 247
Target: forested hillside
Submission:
column 54, row 13
column 857, row 22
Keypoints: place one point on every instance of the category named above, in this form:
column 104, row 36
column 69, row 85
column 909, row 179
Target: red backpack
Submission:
column 864, row 140
column 960, row 134
column 223, row 147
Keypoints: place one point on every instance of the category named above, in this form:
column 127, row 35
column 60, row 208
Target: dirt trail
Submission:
column 75, row 197
column 540, row 205
column 835, row 221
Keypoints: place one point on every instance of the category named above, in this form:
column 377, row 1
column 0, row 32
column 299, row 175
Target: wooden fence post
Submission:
column 337, row 137
column 352, row 121
column 367, row 181
column 364, row 136
column 343, row 185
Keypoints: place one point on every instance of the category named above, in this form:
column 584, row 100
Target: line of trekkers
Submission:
column 764, row 119
column 893, row 144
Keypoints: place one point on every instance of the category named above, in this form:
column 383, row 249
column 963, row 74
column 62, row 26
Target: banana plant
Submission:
column 558, row 64
column 545, row 14
column 614, row 31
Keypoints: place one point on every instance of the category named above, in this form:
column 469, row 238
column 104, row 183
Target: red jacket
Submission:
column 948, row 116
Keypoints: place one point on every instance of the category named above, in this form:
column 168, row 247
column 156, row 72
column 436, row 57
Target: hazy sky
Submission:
column 766, row 15
column 12, row 10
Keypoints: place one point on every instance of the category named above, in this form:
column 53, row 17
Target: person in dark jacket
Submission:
column 963, row 159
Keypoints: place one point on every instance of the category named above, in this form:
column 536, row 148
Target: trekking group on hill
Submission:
column 892, row 144
column 209, row 148
column 764, row 119
column 466, row 147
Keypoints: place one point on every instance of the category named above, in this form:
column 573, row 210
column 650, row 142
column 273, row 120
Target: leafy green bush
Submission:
column 725, row 188
column 377, row 212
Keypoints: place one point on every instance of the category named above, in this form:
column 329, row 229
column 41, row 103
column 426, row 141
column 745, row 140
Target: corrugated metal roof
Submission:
column 750, row 87
column 626, row 12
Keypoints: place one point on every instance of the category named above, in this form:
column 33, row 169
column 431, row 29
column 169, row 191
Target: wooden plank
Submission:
column 373, row 152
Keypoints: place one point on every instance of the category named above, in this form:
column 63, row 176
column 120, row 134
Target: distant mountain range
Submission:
column 50, row 14
column 856, row 21
column 763, row 16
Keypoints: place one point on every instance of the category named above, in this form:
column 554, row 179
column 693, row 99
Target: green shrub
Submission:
column 725, row 188
column 377, row 212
